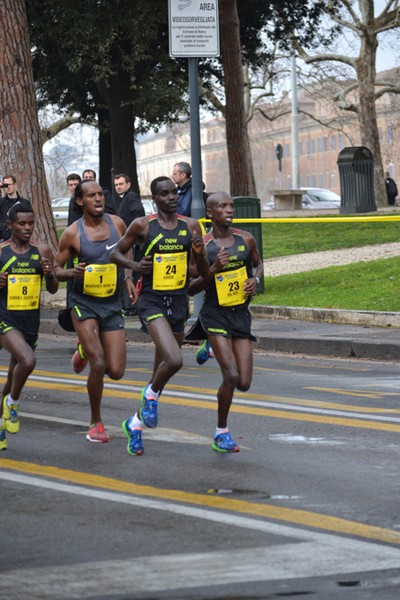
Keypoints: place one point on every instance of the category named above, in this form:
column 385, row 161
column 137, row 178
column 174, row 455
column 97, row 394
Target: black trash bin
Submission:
column 356, row 173
column 247, row 207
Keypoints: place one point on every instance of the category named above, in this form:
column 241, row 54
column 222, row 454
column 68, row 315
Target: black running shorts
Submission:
column 229, row 321
column 108, row 316
column 173, row 308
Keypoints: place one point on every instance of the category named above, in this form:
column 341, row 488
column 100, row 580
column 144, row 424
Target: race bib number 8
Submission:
column 230, row 287
column 169, row 271
column 23, row 292
column 100, row 280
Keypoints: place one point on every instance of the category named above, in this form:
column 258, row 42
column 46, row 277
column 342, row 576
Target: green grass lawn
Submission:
column 284, row 239
column 371, row 285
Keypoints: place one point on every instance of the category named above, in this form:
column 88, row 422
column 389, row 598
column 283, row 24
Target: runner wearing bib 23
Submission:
column 224, row 319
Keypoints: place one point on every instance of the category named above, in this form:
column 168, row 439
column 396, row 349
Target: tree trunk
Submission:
column 117, row 97
column 242, row 181
column 366, row 75
column 105, row 152
column 20, row 136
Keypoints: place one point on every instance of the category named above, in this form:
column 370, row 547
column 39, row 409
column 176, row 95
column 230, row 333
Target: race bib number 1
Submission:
column 100, row 280
column 230, row 287
column 23, row 292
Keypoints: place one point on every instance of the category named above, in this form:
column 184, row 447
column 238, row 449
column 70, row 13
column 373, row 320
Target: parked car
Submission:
column 313, row 198
column 149, row 206
column 320, row 198
column 59, row 201
column 60, row 210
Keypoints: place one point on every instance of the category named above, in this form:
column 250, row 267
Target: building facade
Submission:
column 319, row 146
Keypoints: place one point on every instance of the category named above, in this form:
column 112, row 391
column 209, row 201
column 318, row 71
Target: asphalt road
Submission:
column 309, row 507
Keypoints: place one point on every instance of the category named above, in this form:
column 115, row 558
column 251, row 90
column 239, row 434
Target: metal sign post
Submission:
column 193, row 34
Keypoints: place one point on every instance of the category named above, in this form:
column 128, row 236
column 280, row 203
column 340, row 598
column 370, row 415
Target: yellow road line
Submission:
column 266, row 511
column 246, row 410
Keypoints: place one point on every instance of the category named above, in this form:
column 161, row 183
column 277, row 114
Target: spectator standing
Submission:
column 9, row 185
column 391, row 189
column 22, row 266
column 130, row 208
column 95, row 296
column 182, row 175
column 74, row 212
column 169, row 243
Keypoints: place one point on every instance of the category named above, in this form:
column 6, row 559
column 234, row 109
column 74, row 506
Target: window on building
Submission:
column 312, row 146
column 340, row 141
column 333, row 142
column 325, row 144
column 287, row 150
column 319, row 145
column 389, row 135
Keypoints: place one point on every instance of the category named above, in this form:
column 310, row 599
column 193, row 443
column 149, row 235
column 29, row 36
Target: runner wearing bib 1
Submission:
column 97, row 294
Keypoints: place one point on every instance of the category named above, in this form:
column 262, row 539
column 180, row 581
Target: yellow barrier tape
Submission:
column 311, row 219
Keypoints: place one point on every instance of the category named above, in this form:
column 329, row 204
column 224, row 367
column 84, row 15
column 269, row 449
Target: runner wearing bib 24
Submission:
column 169, row 244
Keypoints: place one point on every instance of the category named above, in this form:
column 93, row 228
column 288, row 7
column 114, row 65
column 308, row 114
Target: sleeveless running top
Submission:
column 226, row 287
column 20, row 298
column 101, row 275
column 170, row 249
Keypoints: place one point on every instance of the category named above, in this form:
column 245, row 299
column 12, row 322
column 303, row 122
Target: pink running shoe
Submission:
column 79, row 360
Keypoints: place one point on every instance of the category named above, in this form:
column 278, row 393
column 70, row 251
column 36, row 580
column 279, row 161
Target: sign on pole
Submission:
column 193, row 29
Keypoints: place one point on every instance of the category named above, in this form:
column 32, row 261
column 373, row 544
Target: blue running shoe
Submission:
column 223, row 442
column 148, row 409
column 135, row 444
column 204, row 353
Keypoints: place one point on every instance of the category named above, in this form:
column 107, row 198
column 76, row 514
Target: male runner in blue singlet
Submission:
column 95, row 296
column 169, row 244
column 224, row 319
column 22, row 266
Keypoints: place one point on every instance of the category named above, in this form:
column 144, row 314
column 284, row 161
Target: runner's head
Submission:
column 165, row 194
column 220, row 208
column 21, row 206
column 90, row 197
column 21, row 220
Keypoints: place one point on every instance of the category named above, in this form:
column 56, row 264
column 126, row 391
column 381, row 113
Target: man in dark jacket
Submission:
column 11, row 196
column 182, row 176
column 130, row 206
column 391, row 189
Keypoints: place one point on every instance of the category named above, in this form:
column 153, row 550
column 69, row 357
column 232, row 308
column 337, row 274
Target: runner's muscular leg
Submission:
column 243, row 350
column 22, row 362
column 89, row 336
column 168, row 352
column 223, row 352
column 114, row 346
